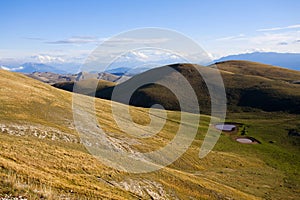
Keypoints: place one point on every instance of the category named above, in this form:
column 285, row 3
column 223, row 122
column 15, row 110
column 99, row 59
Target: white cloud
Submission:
column 283, row 42
column 11, row 69
column 5, row 68
column 174, row 57
column 234, row 37
column 17, row 68
column 34, row 38
column 77, row 40
column 108, row 41
column 41, row 58
column 146, row 55
column 280, row 28
column 275, row 38
column 140, row 55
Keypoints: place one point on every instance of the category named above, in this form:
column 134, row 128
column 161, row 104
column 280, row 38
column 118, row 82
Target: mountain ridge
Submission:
column 286, row 60
column 275, row 88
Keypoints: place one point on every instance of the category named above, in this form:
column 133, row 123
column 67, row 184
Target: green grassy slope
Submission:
column 249, row 86
column 255, row 85
column 259, row 69
column 41, row 156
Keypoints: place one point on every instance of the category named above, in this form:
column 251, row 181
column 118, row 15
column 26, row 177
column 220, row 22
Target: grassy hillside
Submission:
column 68, row 85
column 249, row 87
column 259, row 69
column 256, row 85
column 41, row 155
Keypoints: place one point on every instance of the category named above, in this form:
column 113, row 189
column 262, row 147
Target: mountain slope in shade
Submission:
column 248, row 85
column 68, row 85
column 286, row 60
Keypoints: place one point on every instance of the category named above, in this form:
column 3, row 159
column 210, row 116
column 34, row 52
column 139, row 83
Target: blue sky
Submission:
column 67, row 31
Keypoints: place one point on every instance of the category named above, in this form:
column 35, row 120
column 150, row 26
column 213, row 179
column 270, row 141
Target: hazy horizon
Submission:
column 65, row 33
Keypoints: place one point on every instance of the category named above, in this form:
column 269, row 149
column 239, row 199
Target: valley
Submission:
column 42, row 155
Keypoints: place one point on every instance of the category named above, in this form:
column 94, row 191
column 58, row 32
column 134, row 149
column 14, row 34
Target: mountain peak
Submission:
column 286, row 60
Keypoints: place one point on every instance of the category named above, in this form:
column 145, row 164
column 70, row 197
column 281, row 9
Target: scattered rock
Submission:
column 39, row 131
column 144, row 188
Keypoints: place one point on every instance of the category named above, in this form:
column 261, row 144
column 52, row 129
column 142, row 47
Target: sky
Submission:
column 65, row 31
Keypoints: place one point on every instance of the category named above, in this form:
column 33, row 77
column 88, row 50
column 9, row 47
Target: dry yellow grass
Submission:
column 44, row 168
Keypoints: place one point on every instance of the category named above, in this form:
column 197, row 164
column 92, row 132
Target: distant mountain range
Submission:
column 127, row 71
column 33, row 67
column 286, row 60
column 52, row 78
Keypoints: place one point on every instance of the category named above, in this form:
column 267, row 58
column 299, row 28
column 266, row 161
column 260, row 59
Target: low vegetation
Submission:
column 42, row 167
column 249, row 86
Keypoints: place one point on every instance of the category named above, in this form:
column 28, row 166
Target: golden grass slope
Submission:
column 36, row 165
column 258, row 69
